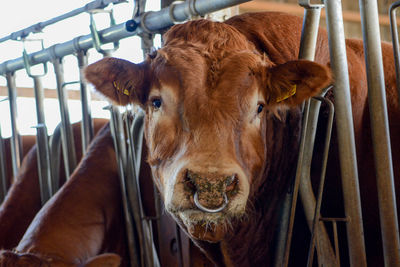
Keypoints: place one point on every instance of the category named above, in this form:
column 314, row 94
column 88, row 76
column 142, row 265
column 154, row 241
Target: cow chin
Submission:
column 206, row 227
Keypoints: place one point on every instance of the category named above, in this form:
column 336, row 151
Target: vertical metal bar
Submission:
column 42, row 143
column 87, row 122
column 395, row 41
column 133, row 247
column 345, row 132
column 336, row 241
column 16, row 146
column 310, row 117
column 285, row 261
column 135, row 136
column 3, row 172
column 67, row 138
column 380, row 132
column 316, row 225
column 55, row 152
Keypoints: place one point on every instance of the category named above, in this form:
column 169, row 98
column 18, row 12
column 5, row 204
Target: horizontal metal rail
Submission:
column 38, row 27
column 152, row 21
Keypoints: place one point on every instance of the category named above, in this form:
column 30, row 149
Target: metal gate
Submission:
column 145, row 24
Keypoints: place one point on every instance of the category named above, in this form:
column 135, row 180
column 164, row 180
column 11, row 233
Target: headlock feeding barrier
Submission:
column 129, row 126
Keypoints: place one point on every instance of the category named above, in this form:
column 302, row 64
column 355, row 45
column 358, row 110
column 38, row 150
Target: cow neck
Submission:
column 251, row 242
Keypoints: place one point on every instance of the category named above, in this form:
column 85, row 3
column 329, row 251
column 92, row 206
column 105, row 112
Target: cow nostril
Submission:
column 231, row 183
column 188, row 182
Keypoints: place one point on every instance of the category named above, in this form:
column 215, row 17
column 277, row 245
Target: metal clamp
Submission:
column 171, row 12
column 27, row 64
column 95, row 34
column 143, row 24
column 191, row 10
column 307, row 4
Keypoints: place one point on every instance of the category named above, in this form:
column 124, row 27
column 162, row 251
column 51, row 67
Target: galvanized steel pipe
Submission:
column 345, row 133
column 3, row 171
column 67, row 137
column 38, row 27
column 153, row 21
column 380, row 132
column 43, row 153
column 16, row 146
column 87, row 122
column 307, row 51
column 395, row 41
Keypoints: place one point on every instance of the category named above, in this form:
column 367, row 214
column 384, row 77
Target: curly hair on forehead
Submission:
column 213, row 35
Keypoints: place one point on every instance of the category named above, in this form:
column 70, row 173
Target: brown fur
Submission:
column 74, row 226
column 23, row 198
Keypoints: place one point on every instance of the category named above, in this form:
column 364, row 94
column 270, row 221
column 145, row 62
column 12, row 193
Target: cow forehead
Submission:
column 200, row 75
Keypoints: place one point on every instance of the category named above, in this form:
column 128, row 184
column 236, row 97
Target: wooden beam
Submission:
column 48, row 93
column 258, row 5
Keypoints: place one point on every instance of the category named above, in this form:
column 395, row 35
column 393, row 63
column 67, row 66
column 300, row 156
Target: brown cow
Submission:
column 223, row 126
column 23, row 199
column 83, row 219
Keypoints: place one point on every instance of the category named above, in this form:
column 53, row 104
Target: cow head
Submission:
column 205, row 94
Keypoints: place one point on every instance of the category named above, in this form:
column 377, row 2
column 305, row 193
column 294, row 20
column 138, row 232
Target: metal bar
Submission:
column 380, row 132
column 87, row 122
column 296, row 186
column 316, row 222
column 42, row 143
column 16, row 146
column 67, row 137
column 345, row 132
column 134, row 194
column 307, row 51
column 38, row 27
column 336, row 241
column 55, row 149
column 153, row 21
column 3, row 171
column 133, row 247
column 395, row 41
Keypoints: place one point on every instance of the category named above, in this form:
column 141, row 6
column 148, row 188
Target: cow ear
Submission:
column 119, row 80
column 104, row 260
column 295, row 81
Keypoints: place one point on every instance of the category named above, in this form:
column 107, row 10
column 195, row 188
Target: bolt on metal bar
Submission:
column 67, row 137
column 16, row 144
column 153, row 21
column 380, row 132
column 38, row 27
column 395, row 41
column 345, row 132
column 133, row 247
column 87, row 122
column 316, row 224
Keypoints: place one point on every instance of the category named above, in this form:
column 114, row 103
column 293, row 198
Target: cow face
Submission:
column 205, row 123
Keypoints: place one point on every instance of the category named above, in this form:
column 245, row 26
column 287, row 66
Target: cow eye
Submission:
column 260, row 108
column 156, row 102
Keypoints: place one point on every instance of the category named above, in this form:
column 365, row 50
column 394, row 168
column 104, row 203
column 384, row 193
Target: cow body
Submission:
column 23, row 199
column 83, row 219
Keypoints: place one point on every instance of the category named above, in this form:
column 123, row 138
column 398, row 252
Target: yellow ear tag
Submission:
column 290, row 93
column 115, row 85
column 126, row 92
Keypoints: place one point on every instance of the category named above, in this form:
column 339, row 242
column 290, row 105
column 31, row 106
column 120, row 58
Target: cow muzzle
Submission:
column 211, row 190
